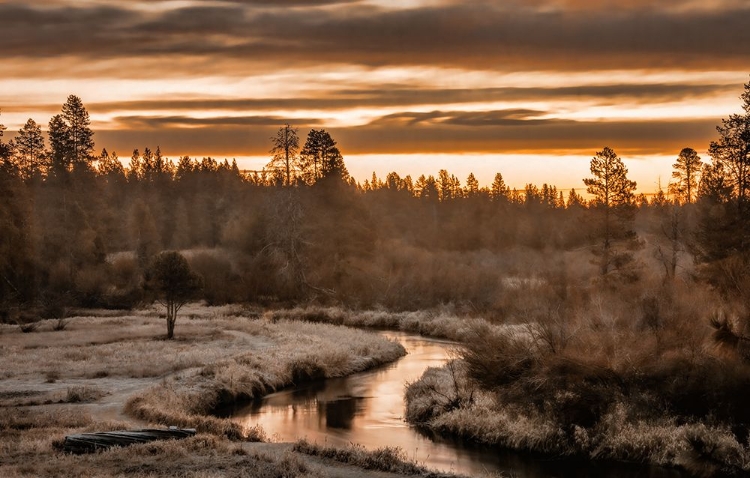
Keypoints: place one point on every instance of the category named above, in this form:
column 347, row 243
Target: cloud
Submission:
column 509, row 117
column 398, row 95
column 135, row 122
column 479, row 35
column 453, row 133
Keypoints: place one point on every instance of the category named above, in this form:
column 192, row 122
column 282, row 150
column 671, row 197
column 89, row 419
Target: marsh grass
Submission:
column 644, row 384
column 442, row 323
column 33, row 448
column 54, row 376
column 388, row 459
column 301, row 352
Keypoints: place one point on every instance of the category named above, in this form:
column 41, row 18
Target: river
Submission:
column 368, row 409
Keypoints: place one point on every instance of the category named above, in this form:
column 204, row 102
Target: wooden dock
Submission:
column 91, row 442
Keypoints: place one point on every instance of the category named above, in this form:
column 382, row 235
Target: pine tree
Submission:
column 613, row 198
column 732, row 150
column 135, row 168
column 686, row 173
column 5, row 150
column 59, row 141
column 499, row 189
column 723, row 236
column 321, row 158
column 110, row 166
column 472, row 186
column 29, row 150
column 575, row 199
column 78, row 127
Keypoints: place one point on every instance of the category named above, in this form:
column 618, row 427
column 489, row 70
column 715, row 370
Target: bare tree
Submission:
column 285, row 152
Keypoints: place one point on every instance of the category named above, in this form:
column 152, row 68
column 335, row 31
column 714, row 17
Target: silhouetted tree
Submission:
column 732, row 151
column 320, row 157
column 723, row 235
column 174, row 283
column 472, row 186
column 5, row 149
column 613, row 198
column 29, row 150
column 78, row 129
column 575, row 199
column 59, row 142
column 499, row 191
column 109, row 166
column 686, row 174
column 285, row 151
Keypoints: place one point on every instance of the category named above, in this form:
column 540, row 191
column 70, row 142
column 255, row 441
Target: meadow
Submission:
column 113, row 371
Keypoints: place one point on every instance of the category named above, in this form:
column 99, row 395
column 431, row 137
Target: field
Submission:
column 110, row 371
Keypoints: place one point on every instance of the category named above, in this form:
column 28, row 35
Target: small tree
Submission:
column 173, row 282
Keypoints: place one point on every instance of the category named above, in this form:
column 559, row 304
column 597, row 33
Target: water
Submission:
column 368, row 409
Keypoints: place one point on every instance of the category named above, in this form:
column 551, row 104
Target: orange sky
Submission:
column 528, row 88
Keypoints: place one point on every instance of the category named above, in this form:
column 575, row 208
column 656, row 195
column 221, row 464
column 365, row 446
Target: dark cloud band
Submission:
column 477, row 35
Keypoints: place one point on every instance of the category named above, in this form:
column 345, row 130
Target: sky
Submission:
column 528, row 88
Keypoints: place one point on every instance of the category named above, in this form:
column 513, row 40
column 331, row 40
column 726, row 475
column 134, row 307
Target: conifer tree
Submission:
column 78, row 127
column 499, row 189
column 686, row 173
column 29, row 150
column 612, row 201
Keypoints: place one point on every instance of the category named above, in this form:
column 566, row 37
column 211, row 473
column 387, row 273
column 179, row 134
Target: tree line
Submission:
column 80, row 229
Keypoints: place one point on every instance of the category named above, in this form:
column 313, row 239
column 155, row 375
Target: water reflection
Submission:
column 368, row 409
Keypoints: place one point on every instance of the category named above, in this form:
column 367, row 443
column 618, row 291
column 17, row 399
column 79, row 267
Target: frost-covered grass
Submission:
column 30, row 437
column 300, row 352
column 59, row 382
column 442, row 324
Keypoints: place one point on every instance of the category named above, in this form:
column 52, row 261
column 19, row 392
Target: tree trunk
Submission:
column 171, row 318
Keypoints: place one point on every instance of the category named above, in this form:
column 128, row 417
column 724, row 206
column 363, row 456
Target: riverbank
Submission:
column 81, row 378
column 559, row 407
column 435, row 323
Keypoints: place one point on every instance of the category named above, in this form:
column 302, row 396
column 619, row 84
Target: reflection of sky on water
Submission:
column 368, row 409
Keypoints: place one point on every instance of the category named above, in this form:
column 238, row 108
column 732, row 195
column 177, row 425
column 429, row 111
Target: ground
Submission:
column 112, row 371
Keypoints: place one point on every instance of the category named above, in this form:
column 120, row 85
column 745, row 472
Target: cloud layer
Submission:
column 217, row 77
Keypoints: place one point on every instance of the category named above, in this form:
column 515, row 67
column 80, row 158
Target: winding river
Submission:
column 368, row 409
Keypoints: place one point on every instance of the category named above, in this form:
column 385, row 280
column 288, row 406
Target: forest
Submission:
column 638, row 305
column 80, row 229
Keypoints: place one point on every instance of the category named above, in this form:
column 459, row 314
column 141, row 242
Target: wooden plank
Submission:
column 90, row 442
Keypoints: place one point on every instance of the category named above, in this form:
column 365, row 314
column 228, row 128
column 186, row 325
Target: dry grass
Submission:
column 302, row 352
column 442, row 323
column 389, row 459
column 28, row 447
column 55, row 380
column 622, row 375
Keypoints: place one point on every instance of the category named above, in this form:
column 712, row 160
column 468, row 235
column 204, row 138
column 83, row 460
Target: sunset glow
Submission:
column 411, row 87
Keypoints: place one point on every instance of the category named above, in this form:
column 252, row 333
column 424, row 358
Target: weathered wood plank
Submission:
column 90, row 442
